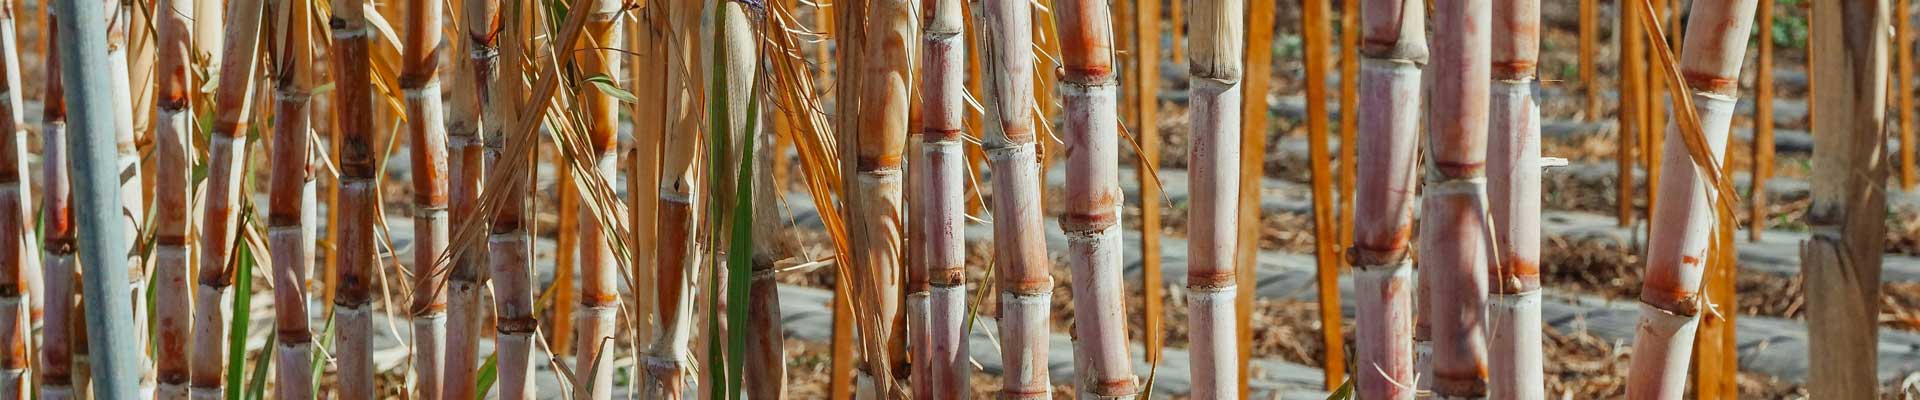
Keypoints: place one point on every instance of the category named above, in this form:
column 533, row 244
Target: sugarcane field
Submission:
column 953, row 199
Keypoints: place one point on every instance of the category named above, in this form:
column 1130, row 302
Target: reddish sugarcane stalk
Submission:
column 917, row 283
column 57, row 350
column 353, row 107
column 599, row 270
column 467, row 276
column 291, row 199
column 668, row 366
column 1453, row 233
column 1218, row 33
column 1517, row 369
column 227, row 156
column 1020, row 253
column 426, row 128
column 1091, row 219
column 941, row 172
column 16, row 319
column 1394, row 49
column 1670, row 299
column 173, row 153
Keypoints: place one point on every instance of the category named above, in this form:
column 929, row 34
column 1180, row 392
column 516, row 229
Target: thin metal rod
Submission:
column 83, row 61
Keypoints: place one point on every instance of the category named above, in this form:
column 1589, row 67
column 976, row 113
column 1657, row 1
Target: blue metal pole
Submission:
column 101, row 230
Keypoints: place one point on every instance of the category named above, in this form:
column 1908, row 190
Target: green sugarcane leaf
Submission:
column 242, row 319
column 257, row 388
column 608, row 87
column 740, row 253
column 488, row 372
column 319, row 358
column 717, row 149
column 153, row 330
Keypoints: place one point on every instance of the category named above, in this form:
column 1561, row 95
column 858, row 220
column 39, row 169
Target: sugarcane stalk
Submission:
column 509, row 242
column 31, row 280
column 916, row 283
column 131, row 114
column 941, row 172
column 878, row 174
column 735, row 60
column 1903, row 56
column 1020, row 254
column 766, row 364
column 879, row 125
column 466, row 165
column 1629, row 116
column 82, row 379
column 16, row 314
column 354, row 279
column 1516, row 359
column 1326, row 259
column 566, row 238
column 1218, row 32
column 667, row 362
column 1670, row 300
column 1261, row 21
column 643, row 167
column 1653, row 114
column 976, row 122
column 1393, row 50
column 57, row 350
column 1147, row 131
column 1091, row 219
column 291, row 199
column 766, row 367
column 427, row 130
column 1589, row 59
column 172, row 194
column 1453, row 233
column 227, row 156
column 1842, row 259
column 1349, row 121
column 1761, row 171
column 599, row 270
